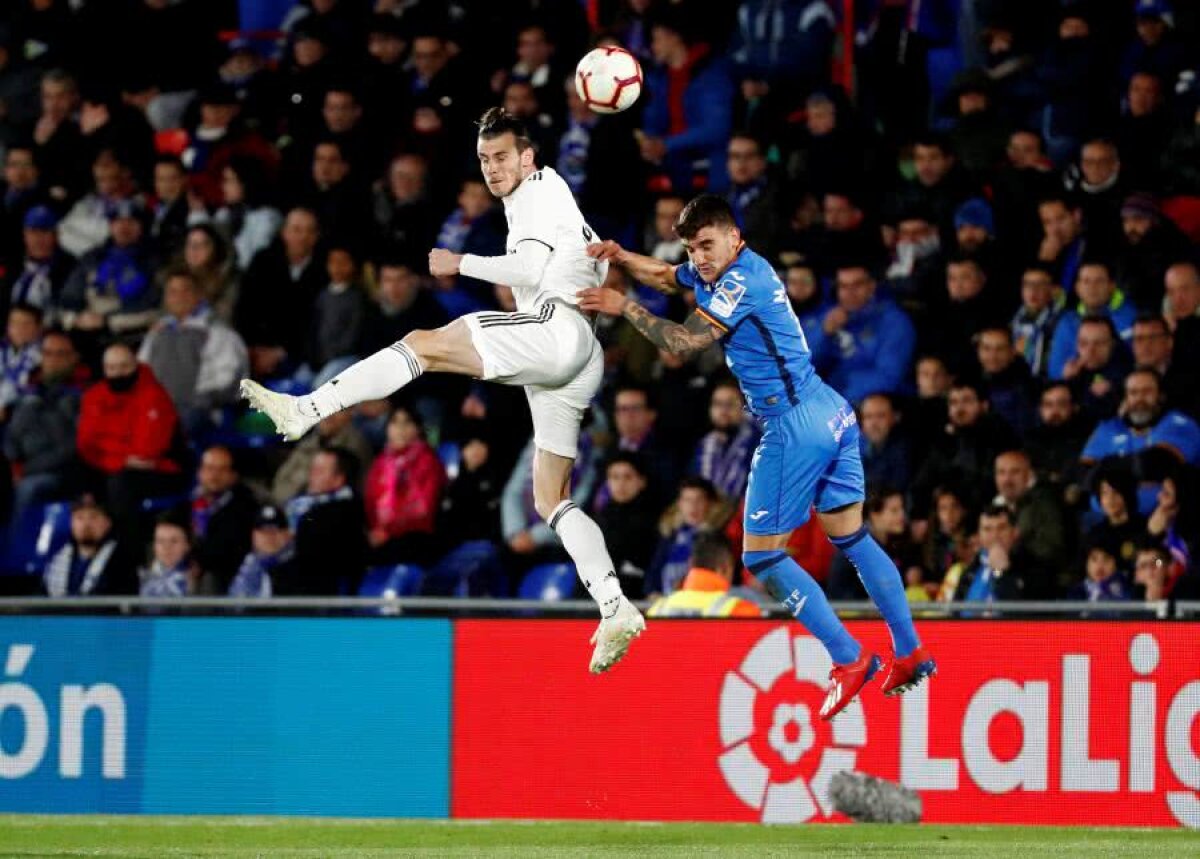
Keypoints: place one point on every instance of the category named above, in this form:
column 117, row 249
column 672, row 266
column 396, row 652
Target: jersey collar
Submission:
column 741, row 250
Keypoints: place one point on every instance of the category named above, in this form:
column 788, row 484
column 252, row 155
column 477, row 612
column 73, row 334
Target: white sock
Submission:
column 584, row 542
column 372, row 378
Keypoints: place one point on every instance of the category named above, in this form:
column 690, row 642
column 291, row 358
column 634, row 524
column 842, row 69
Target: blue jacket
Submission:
column 872, row 354
column 708, row 114
column 1062, row 345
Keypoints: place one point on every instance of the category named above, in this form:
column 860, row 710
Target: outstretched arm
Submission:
column 654, row 273
column 695, row 334
column 522, row 268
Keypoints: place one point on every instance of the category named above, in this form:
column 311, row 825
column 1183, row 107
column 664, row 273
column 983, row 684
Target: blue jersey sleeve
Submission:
column 1099, row 445
column 686, row 276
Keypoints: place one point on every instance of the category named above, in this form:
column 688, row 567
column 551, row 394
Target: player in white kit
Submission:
column 548, row 346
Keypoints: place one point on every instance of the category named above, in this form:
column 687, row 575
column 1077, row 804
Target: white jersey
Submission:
column 542, row 209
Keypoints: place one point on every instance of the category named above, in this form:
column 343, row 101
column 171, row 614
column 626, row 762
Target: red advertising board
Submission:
column 1032, row 722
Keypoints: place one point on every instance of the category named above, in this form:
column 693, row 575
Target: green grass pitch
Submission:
column 155, row 837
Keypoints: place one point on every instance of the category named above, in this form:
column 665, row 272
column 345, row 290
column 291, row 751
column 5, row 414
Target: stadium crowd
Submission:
column 988, row 232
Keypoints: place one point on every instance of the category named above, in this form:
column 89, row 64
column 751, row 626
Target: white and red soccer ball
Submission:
column 608, row 79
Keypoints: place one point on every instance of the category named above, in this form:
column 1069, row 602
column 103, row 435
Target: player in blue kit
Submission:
column 809, row 453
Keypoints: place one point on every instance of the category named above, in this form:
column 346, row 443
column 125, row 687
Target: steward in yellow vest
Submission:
column 705, row 589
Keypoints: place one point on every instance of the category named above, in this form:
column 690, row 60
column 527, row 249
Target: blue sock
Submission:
column 882, row 581
column 789, row 583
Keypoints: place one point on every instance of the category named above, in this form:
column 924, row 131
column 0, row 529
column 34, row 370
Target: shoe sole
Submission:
column 876, row 667
column 622, row 641
column 924, row 671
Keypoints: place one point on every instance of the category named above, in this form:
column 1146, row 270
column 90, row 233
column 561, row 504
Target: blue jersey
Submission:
column 765, row 347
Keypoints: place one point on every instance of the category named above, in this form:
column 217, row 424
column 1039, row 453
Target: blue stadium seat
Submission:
column 398, row 580
column 549, row 582
column 34, row 536
column 450, row 452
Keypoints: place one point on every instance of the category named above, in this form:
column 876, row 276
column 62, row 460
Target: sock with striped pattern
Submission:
column 373, row 378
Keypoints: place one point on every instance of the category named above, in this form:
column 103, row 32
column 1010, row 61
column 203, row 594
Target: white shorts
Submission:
column 554, row 354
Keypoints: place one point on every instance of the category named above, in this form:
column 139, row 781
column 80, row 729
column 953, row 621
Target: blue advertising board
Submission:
column 346, row 717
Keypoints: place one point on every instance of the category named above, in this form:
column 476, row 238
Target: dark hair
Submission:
column 180, row 271
column 994, row 510
column 935, row 139
column 335, row 143
column 176, row 519
column 710, row 549
column 707, row 210
column 967, row 259
column 968, row 382
column 1148, row 371
column 745, row 134
column 1153, row 319
column 877, row 500
column 30, row 309
column 413, row 415
column 702, row 483
column 1068, row 203
column 496, row 121
column 646, row 393
column 347, row 463
column 253, row 176
column 879, row 395
column 1040, row 268
column 1102, row 320
column 173, row 160
column 1003, row 329
column 725, row 381
column 627, row 457
column 1032, row 132
column 1058, row 383
column 1097, row 262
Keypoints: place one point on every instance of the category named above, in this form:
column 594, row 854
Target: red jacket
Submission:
column 140, row 422
column 403, row 489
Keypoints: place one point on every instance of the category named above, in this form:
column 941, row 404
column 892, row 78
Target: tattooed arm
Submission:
column 695, row 334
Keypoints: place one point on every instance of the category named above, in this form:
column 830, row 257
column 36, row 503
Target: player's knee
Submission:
column 423, row 343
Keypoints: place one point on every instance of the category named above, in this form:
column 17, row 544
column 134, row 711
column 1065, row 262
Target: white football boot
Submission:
column 614, row 635
column 282, row 409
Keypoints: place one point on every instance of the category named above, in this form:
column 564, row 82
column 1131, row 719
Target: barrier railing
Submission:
column 457, row 606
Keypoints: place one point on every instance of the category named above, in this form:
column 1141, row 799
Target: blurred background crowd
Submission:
column 986, row 215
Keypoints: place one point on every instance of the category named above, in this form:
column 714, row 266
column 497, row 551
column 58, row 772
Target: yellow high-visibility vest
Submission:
column 693, row 603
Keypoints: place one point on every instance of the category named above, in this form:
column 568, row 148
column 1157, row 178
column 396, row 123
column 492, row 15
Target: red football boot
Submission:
column 848, row 681
column 909, row 672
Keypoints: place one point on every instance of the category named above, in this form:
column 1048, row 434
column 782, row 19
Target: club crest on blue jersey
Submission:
column 726, row 296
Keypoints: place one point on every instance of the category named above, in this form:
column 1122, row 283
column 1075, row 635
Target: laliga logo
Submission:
column 768, row 728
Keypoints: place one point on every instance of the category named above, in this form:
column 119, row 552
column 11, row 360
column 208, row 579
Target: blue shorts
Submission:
column 807, row 457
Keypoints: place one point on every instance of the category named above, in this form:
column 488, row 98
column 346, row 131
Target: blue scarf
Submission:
column 727, row 463
column 253, row 577
column 299, row 506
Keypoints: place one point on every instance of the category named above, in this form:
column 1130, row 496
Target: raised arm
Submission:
column 695, row 334
column 652, row 272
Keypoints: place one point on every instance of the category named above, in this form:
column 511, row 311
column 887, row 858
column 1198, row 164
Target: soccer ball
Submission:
column 608, row 80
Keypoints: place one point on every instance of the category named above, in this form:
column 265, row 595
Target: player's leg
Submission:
column 839, row 505
column 790, row 459
column 449, row 349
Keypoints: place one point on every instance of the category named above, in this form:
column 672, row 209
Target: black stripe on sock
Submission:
column 766, row 563
column 567, row 508
column 849, row 540
column 414, row 365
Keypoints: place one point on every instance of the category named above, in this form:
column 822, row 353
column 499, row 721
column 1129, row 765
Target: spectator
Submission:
column 636, row 417
column 335, row 193
column 1018, row 187
column 1150, row 438
column 272, row 553
column 687, row 115
column 1182, row 310
column 335, row 431
column 1063, row 243
column 94, row 562
column 1098, row 296
column 107, row 123
column 470, row 506
column 40, row 440
column 1175, row 523
column 86, row 226
column 938, row 185
column 1156, row 49
column 705, row 590
column 197, row 358
column 1103, row 581
column 1055, row 441
column 529, row 539
column 723, row 455
column 129, row 432
column 1143, row 130
column 886, row 456
column 20, row 354
column 975, row 237
column 38, row 279
column 471, row 228
column 19, row 193
column 888, row 524
column 274, row 312
column 60, row 148
column 627, row 521
column 866, row 342
column 520, row 99
column 964, row 452
column 112, row 290
column 780, row 49
column 1033, row 325
column 960, row 313
column 327, row 520
column 1098, row 189
column 1149, row 244
column 222, row 508
column 339, row 317
column 1152, row 573
column 403, row 491
column 927, row 414
column 1070, row 105
column 218, row 138
column 403, row 304
column 1038, row 514
column 1006, row 377
column 697, row 507
column 384, row 72
column 18, row 85
column 1122, row 530
column 245, row 217
column 917, row 271
column 254, row 83
column 207, row 257
column 753, row 196
column 665, row 245
column 978, row 136
column 846, row 239
column 1096, row 373
column 1152, row 347
column 830, row 153
column 170, row 209
column 805, row 296
column 404, row 216
column 172, row 572
column 949, row 541
column 999, row 569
